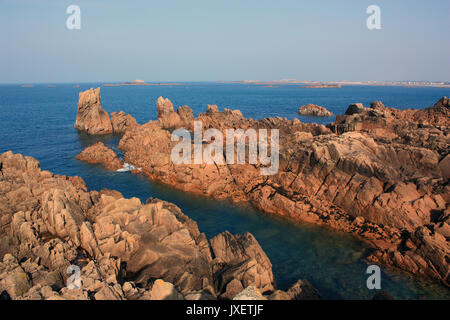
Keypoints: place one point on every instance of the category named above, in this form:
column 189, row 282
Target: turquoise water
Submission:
column 39, row 121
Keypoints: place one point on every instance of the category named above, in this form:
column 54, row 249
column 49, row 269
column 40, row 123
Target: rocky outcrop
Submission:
column 245, row 261
column 91, row 117
column 121, row 122
column 123, row 248
column 314, row 111
column 99, row 153
column 378, row 173
column 168, row 118
column 212, row 108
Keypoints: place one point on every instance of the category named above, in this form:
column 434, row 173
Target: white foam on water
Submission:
column 128, row 167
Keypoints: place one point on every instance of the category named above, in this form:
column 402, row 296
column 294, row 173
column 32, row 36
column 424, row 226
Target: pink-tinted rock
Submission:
column 91, row 117
column 99, row 153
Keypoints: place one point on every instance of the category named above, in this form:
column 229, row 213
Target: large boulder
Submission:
column 245, row 262
column 354, row 108
column 99, row 153
column 314, row 111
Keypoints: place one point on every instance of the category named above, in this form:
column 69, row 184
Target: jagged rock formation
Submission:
column 168, row 118
column 314, row 111
column 212, row 108
column 121, row 122
column 378, row 173
column 93, row 119
column 124, row 249
column 249, row 265
column 99, row 153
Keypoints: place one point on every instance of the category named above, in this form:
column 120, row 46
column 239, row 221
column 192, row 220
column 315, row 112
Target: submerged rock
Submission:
column 383, row 295
column 303, row 290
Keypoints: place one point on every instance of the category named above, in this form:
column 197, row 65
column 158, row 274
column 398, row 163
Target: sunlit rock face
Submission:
column 91, row 117
column 124, row 249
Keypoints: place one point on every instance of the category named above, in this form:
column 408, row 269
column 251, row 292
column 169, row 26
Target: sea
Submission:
column 38, row 121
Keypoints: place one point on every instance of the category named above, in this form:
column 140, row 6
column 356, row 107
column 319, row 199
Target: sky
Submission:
column 214, row 40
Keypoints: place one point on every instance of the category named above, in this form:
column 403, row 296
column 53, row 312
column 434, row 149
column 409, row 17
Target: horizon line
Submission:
column 249, row 81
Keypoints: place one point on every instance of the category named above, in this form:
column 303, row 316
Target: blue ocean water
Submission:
column 38, row 121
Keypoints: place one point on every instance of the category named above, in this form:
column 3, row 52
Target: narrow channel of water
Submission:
column 38, row 122
column 331, row 261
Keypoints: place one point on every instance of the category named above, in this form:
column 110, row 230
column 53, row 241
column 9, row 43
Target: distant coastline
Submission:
column 138, row 83
column 338, row 84
column 271, row 84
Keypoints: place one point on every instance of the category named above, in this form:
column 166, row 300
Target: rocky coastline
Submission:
column 378, row 173
column 124, row 249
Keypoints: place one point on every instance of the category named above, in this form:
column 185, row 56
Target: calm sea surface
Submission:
column 38, row 122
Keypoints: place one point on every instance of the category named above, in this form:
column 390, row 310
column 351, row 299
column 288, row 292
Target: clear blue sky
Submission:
column 193, row 40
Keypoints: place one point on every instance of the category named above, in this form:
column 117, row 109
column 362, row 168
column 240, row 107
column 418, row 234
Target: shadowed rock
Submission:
column 383, row 295
column 246, row 262
column 303, row 290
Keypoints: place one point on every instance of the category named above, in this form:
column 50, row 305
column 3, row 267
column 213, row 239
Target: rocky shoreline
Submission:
column 378, row 173
column 124, row 249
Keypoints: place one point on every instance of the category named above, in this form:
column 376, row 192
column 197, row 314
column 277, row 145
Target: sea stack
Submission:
column 91, row 117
